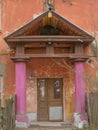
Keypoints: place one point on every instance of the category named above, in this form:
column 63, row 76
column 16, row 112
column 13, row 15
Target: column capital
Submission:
column 79, row 59
column 20, row 59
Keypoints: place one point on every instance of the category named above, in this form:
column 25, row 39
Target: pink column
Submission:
column 20, row 68
column 79, row 87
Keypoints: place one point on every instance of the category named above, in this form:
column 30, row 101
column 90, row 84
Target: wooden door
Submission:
column 42, row 100
column 55, row 99
column 50, row 99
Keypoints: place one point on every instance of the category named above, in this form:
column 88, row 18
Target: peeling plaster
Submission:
column 2, row 69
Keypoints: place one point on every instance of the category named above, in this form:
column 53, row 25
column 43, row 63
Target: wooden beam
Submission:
column 57, row 38
column 48, row 55
column 34, row 45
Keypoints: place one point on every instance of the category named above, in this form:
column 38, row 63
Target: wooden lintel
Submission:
column 56, row 38
column 34, row 45
column 71, row 56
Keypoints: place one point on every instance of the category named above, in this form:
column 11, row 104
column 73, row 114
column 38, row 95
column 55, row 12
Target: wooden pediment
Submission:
column 49, row 26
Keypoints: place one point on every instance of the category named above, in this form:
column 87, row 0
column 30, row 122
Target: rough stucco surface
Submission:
column 47, row 68
column 16, row 13
column 79, row 12
column 2, row 69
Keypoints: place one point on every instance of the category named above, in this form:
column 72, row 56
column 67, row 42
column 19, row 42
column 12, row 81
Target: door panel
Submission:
column 55, row 99
column 42, row 100
column 50, row 99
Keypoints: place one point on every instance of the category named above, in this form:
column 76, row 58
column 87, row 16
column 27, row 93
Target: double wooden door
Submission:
column 50, row 99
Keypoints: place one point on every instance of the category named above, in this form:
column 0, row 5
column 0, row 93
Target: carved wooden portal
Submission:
column 50, row 99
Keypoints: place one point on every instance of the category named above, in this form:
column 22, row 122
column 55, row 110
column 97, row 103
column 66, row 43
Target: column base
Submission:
column 81, row 120
column 84, row 116
column 22, row 118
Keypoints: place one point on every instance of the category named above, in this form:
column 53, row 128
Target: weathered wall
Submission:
column 82, row 13
column 49, row 68
column 16, row 13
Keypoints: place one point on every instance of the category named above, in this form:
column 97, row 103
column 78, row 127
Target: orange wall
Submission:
column 50, row 68
column 17, row 12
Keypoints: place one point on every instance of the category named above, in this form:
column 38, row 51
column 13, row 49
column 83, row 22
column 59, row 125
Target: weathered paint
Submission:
column 20, row 69
column 2, row 90
column 49, row 68
column 2, row 69
column 79, row 87
column 78, row 12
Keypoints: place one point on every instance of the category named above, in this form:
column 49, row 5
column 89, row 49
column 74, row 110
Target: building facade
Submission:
column 46, row 57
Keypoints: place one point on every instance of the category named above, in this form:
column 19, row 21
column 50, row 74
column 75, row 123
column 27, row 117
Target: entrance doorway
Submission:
column 50, row 99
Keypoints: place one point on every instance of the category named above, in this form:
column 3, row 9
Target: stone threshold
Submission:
column 51, row 124
column 45, row 126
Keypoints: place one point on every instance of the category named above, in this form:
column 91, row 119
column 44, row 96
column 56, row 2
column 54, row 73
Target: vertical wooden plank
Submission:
column 92, row 107
column 7, row 115
column 89, row 107
column 79, row 48
column 1, row 90
column 42, row 100
column 20, row 49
